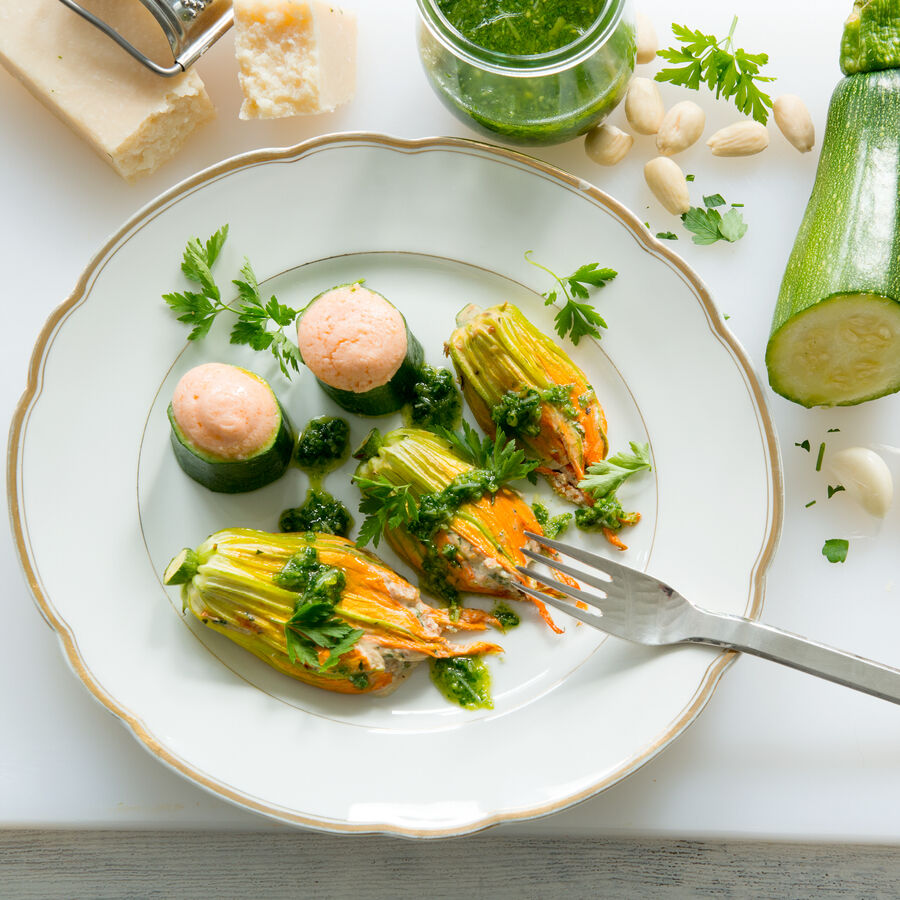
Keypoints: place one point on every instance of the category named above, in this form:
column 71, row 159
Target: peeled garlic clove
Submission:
column 644, row 106
column 741, row 139
column 665, row 178
column 607, row 145
column 681, row 127
column 647, row 43
column 866, row 477
column 795, row 122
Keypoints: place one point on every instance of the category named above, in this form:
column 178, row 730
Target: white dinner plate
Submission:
column 99, row 505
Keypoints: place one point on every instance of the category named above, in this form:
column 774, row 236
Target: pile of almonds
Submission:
column 682, row 126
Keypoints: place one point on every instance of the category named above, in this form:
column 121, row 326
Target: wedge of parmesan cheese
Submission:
column 136, row 120
column 296, row 57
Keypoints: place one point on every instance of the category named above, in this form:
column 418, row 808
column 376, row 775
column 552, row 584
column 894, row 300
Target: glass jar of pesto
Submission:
column 528, row 71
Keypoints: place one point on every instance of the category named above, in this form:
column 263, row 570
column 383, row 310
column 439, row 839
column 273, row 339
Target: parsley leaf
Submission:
column 732, row 227
column 386, row 505
column 254, row 316
column 605, row 477
column 708, row 225
column 704, row 223
column 577, row 320
column 833, row 490
column 666, row 236
column 835, row 550
column 804, row 445
column 501, row 461
column 724, row 69
column 199, row 310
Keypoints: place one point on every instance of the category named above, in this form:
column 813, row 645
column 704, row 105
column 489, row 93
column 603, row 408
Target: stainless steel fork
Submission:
column 639, row 608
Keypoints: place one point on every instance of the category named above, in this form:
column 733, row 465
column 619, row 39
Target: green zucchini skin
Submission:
column 235, row 476
column 386, row 398
column 849, row 240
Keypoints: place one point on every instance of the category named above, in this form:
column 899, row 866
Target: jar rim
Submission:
column 532, row 64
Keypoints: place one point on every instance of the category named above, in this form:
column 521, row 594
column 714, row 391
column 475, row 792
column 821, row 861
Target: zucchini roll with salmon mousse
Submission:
column 360, row 350
column 442, row 505
column 229, row 432
column 316, row 607
column 521, row 384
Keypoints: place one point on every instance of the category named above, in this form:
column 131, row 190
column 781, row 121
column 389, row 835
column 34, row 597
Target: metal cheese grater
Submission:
column 190, row 26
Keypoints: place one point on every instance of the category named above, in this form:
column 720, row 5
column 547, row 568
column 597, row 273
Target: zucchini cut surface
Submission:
column 839, row 352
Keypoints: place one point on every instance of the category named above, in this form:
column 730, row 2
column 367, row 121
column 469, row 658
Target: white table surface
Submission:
column 776, row 754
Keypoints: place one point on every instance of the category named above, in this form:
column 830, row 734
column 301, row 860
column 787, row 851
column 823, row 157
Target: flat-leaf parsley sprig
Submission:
column 575, row 319
column 706, row 59
column 254, row 316
column 259, row 325
column 708, row 225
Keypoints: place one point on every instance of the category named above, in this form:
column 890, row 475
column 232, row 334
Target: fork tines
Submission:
column 592, row 559
column 595, row 619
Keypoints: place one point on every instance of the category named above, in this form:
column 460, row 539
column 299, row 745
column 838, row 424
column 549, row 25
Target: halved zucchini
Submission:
column 360, row 342
column 222, row 472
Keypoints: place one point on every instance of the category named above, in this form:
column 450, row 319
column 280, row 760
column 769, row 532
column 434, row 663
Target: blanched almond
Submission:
column 741, row 139
column 643, row 106
column 607, row 145
column 795, row 122
column 665, row 178
column 647, row 43
column 681, row 126
column 866, row 478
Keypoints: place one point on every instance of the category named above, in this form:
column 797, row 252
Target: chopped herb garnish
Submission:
column 314, row 625
column 435, row 399
column 803, row 445
column 738, row 205
column 688, row 177
column 667, row 235
column 714, row 200
column 729, row 71
column 820, row 457
column 833, row 490
column 552, row 526
column 811, row 503
column 726, row 317
column 835, row 550
column 505, row 616
column 320, row 512
column 833, row 429
column 575, row 319
column 519, row 412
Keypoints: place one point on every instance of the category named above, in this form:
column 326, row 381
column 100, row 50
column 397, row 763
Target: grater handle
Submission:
column 189, row 32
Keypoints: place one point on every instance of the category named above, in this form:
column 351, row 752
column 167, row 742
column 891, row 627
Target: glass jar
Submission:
column 537, row 98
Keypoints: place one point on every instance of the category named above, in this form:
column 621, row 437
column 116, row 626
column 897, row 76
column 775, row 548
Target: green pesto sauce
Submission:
column 323, row 445
column 320, row 512
column 545, row 108
column 505, row 616
column 521, row 27
column 605, row 513
column 435, row 400
column 519, row 412
column 464, row 680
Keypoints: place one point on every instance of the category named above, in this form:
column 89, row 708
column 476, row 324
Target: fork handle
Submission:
column 799, row 653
